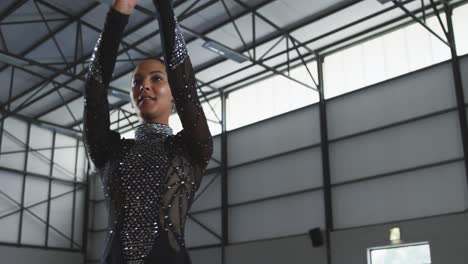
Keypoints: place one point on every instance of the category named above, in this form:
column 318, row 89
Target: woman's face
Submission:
column 151, row 95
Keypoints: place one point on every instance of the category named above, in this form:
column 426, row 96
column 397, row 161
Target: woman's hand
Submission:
column 124, row 6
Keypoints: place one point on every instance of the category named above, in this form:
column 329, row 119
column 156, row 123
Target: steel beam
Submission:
column 327, row 190
column 458, row 85
column 23, row 186
column 49, row 193
column 224, row 181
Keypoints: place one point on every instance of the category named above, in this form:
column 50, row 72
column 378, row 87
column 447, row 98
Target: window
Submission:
column 401, row 51
column 398, row 52
column 460, row 19
column 415, row 253
column 212, row 112
column 270, row 97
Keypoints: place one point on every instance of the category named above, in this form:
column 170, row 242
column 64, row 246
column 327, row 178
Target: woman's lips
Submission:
column 146, row 99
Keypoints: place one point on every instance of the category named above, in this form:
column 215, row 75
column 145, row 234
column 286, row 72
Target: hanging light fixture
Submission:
column 225, row 51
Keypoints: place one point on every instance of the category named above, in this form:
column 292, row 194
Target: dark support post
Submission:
column 458, row 84
column 2, row 122
column 49, row 194
column 86, row 209
column 288, row 59
column 12, row 80
column 224, row 184
column 327, row 197
column 23, row 187
column 74, row 193
column 254, row 36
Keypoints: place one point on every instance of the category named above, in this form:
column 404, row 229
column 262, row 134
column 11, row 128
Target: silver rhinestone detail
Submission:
column 95, row 66
column 179, row 50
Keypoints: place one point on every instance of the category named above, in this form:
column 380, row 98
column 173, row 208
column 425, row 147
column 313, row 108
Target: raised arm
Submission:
column 196, row 136
column 195, row 133
column 99, row 139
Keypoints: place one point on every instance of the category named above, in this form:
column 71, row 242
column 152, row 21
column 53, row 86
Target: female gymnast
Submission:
column 149, row 181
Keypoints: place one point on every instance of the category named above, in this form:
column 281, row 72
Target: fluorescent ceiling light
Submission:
column 62, row 130
column 225, row 51
column 384, row 1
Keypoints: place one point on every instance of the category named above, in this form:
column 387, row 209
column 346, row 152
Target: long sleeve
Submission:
column 195, row 133
column 99, row 139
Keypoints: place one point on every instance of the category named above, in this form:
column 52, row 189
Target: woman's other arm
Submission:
column 196, row 134
column 97, row 135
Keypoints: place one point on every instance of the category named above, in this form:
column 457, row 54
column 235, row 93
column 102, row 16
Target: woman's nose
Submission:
column 145, row 85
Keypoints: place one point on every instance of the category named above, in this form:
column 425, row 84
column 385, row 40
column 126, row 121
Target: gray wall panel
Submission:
column 447, row 237
column 64, row 167
column 15, row 255
column 445, row 234
column 421, row 193
column 211, row 196
column 288, row 132
column 10, row 227
column 61, row 218
column 216, row 153
column 59, row 188
column 34, row 231
column 464, row 75
column 211, row 219
column 60, row 210
column 292, row 250
column 57, row 239
column 410, row 96
column 64, row 159
column 100, row 216
column 195, row 235
column 61, row 214
column 36, row 190
column 40, row 137
column 206, row 256
column 96, row 244
column 96, row 190
column 82, row 165
column 79, row 217
column 419, row 143
column 284, row 174
column 13, row 161
column 10, row 184
column 15, row 136
column 39, row 161
column 279, row 217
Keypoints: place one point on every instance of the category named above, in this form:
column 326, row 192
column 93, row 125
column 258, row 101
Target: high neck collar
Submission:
column 152, row 131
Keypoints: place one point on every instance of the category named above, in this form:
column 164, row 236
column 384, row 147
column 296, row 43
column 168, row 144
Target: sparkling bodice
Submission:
column 143, row 172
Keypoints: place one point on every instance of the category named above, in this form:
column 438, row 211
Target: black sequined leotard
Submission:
column 150, row 180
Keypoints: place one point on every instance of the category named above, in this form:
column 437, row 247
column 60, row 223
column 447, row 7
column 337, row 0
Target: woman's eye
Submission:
column 136, row 82
column 157, row 78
